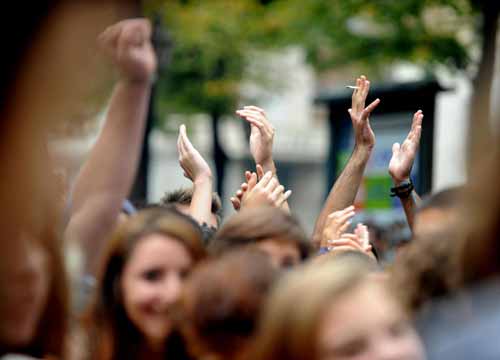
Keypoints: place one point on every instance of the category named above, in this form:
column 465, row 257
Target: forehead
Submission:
column 158, row 249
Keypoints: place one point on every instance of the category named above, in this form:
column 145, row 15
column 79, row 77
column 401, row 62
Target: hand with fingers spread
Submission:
column 360, row 115
column 266, row 191
column 404, row 155
column 128, row 44
column 194, row 165
column 337, row 224
column 261, row 134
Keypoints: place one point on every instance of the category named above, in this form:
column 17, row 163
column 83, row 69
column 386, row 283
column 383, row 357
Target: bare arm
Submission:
column 346, row 187
column 108, row 174
column 403, row 157
column 197, row 170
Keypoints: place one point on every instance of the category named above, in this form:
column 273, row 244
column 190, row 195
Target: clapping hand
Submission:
column 264, row 191
column 404, row 155
column 261, row 134
column 194, row 165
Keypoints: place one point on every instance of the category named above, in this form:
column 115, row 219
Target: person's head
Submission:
column 271, row 230
column 426, row 269
column 182, row 199
column 37, row 322
column 222, row 300
column 437, row 212
column 143, row 271
column 334, row 311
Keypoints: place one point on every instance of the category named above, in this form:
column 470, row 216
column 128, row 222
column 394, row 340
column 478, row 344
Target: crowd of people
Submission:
column 173, row 281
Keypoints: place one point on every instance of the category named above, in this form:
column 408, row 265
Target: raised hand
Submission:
column 236, row 199
column 360, row 116
column 337, row 224
column 363, row 237
column 403, row 156
column 266, row 191
column 194, row 165
column 128, row 44
column 261, row 134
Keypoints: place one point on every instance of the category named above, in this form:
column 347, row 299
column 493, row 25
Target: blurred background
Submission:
column 294, row 58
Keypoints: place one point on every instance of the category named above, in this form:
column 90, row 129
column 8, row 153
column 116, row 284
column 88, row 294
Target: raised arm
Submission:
column 107, row 176
column 197, row 170
column 346, row 187
column 403, row 157
column 261, row 140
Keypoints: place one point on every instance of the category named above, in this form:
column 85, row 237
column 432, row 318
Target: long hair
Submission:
column 111, row 333
column 290, row 323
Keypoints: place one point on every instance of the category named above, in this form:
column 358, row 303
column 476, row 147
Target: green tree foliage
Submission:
column 212, row 42
column 378, row 32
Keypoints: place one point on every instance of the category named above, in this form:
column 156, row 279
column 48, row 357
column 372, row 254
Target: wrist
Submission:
column 268, row 165
column 136, row 81
column 362, row 152
column 203, row 179
column 400, row 180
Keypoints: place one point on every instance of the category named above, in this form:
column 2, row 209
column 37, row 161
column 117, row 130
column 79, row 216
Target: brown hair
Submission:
column 222, row 300
column 112, row 335
column 290, row 322
column 252, row 225
column 426, row 268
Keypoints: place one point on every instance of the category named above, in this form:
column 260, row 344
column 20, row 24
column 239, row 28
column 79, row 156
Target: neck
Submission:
column 152, row 351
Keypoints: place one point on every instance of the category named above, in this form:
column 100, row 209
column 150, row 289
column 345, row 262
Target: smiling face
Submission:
column 151, row 283
column 366, row 323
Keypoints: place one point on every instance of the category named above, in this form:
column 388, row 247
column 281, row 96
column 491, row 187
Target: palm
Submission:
column 403, row 156
column 402, row 161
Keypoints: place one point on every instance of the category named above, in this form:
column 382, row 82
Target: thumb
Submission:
column 395, row 148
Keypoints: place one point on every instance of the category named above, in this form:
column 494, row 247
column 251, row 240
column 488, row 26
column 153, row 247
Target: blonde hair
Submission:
column 290, row 322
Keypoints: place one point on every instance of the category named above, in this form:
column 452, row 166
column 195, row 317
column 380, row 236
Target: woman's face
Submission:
column 25, row 301
column 151, row 283
column 366, row 323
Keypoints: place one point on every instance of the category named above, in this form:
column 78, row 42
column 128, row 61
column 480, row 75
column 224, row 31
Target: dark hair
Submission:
column 250, row 226
column 184, row 197
column 222, row 301
column 112, row 335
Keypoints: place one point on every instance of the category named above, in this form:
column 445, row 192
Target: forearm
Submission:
column 344, row 190
column 201, row 202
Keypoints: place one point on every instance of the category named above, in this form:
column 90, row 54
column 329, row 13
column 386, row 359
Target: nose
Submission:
column 171, row 289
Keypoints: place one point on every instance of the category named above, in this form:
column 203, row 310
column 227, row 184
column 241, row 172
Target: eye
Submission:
column 184, row 273
column 350, row 349
column 152, row 275
column 287, row 262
